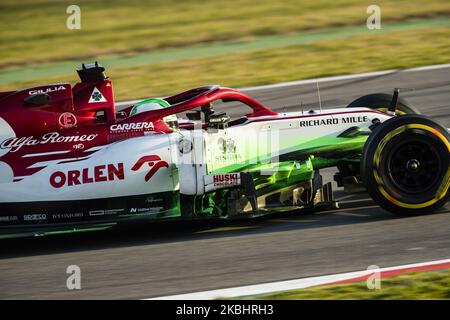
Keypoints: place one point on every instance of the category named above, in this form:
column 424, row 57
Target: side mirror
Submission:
column 35, row 100
column 393, row 104
column 194, row 116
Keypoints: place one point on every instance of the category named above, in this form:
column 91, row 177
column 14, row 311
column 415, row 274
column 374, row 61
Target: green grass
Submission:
column 159, row 47
column 45, row 70
column 326, row 58
column 371, row 52
column 420, row 286
column 34, row 31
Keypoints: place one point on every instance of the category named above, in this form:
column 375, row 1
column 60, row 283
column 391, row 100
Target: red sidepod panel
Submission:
column 30, row 119
column 64, row 129
column 67, row 107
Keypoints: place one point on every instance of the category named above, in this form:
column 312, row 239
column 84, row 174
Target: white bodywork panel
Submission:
column 184, row 171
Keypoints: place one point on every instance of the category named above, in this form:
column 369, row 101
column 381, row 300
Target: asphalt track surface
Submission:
column 174, row 258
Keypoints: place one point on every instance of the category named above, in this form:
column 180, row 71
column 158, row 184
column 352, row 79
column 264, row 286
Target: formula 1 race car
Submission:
column 69, row 161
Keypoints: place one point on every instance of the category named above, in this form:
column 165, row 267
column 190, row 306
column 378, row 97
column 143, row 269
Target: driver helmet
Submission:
column 155, row 104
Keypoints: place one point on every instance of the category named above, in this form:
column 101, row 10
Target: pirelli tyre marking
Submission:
column 441, row 191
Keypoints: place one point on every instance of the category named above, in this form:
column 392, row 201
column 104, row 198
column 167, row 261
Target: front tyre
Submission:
column 405, row 165
column 379, row 102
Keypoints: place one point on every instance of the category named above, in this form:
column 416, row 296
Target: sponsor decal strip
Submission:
column 14, row 144
column 279, row 286
column 101, row 173
column 132, row 126
column 105, row 212
column 105, row 172
column 217, row 181
column 47, row 90
column 348, row 120
column 35, row 217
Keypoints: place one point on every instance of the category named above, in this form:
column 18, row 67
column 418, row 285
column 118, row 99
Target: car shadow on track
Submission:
column 351, row 212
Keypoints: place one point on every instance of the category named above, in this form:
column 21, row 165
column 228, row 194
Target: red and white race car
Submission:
column 69, row 160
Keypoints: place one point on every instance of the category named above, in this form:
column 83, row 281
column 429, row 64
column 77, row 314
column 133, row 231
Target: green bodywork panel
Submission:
column 325, row 152
column 296, row 165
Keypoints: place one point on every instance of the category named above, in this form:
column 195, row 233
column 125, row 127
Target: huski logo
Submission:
column 96, row 96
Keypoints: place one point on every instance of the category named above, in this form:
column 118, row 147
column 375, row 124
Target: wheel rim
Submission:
column 414, row 167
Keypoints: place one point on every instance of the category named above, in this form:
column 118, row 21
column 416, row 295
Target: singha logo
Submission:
column 153, row 161
column 226, row 146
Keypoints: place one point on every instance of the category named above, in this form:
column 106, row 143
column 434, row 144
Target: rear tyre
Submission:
column 405, row 165
column 381, row 102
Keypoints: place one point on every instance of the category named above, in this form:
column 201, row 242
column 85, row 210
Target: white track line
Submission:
column 289, row 284
column 322, row 80
column 346, row 77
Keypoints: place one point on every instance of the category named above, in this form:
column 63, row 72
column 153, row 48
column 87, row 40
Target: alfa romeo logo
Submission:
column 96, row 96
